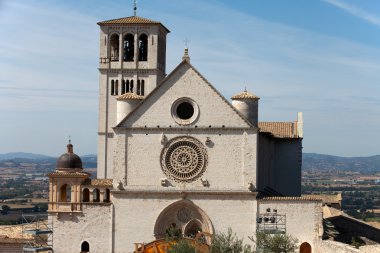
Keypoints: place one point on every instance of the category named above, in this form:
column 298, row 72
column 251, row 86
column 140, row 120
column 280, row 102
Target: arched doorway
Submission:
column 305, row 248
column 86, row 195
column 188, row 218
column 85, row 247
column 192, row 228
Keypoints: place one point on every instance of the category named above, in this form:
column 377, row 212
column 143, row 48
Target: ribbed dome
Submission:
column 69, row 160
column 245, row 95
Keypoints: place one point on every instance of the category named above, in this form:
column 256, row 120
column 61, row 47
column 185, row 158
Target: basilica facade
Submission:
column 174, row 152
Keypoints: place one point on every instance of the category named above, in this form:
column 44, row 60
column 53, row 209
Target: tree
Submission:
column 182, row 246
column 274, row 243
column 229, row 243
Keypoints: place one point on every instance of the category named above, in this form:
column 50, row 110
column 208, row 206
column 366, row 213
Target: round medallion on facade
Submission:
column 185, row 111
column 184, row 159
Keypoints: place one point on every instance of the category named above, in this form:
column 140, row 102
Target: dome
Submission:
column 69, row 160
column 245, row 95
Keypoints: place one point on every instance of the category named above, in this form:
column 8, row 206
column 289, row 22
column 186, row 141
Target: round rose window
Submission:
column 184, row 159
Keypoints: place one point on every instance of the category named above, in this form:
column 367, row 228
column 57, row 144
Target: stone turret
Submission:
column 248, row 105
column 125, row 104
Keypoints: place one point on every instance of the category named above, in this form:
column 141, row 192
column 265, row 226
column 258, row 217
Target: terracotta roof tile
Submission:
column 326, row 198
column 131, row 20
column 279, row 129
column 61, row 173
column 292, row 198
column 245, row 95
column 129, row 95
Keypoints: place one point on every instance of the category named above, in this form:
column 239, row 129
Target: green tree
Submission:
column 229, row 243
column 182, row 246
column 274, row 243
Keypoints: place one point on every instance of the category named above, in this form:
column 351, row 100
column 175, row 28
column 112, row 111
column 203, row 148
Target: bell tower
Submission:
column 132, row 61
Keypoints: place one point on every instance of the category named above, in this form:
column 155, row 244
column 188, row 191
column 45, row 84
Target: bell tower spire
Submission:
column 135, row 8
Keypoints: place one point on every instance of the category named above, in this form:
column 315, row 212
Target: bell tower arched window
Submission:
column 122, row 87
column 143, row 47
column 129, row 47
column 131, row 86
column 114, row 47
column 140, row 87
column 65, row 193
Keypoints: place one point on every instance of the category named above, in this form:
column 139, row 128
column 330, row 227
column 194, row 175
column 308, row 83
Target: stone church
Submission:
column 174, row 152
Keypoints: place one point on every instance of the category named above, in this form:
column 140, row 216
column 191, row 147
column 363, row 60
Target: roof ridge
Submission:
column 221, row 96
column 203, row 78
column 131, row 20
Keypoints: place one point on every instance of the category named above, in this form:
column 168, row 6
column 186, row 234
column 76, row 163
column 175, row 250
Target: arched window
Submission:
column 131, row 86
column 193, row 228
column 305, row 248
column 142, row 88
column 143, row 47
column 138, row 87
column 106, row 196
column 65, row 193
column 86, row 195
column 127, row 86
column 96, row 195
column 112, row 87
column 116, row 87
column 129, row 47
column 122, row 87
column 85, row 247
column 114, row 44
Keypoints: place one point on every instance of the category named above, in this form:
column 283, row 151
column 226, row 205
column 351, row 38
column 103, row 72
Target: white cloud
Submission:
column 52, row 64
column 356, row 11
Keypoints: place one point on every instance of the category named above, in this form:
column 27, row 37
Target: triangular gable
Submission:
column 185, row 81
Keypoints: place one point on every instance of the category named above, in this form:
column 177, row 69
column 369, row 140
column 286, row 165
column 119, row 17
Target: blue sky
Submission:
column 321, row 57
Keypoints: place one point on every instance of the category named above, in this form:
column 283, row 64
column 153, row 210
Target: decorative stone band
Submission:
column 184, row 159
column 156, row 191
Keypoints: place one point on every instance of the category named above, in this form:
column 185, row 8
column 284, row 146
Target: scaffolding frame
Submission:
column 38, row 226
column 271, row 223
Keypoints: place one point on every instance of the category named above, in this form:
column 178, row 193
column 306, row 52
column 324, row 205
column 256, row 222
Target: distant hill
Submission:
column 22, row 155
column 312, row 161
column 16, row 158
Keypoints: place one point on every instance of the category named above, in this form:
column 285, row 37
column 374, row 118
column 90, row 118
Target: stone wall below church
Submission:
column 94, row 225
column 303, row 218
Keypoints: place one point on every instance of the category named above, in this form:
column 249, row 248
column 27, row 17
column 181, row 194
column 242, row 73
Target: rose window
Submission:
column 184, row 159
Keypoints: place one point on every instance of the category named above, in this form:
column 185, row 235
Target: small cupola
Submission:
column 125, row 104
column 248, row 105
column 69, row 160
